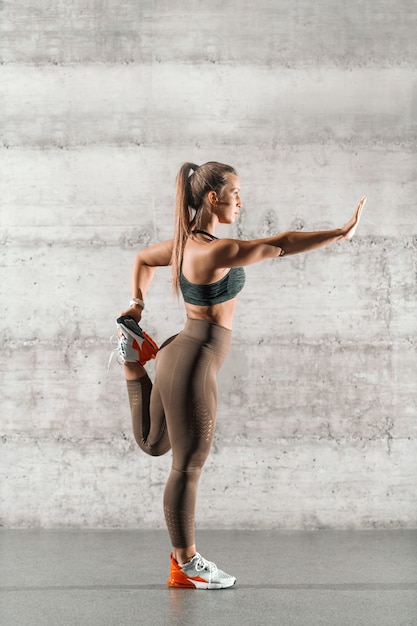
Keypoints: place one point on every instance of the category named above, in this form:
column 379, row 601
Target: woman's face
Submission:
column 229, row 203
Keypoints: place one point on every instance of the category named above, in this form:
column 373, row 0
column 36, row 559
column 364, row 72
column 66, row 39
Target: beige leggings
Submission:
column 179, row 412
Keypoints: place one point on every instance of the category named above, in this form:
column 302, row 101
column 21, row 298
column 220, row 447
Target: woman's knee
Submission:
column 192, row 462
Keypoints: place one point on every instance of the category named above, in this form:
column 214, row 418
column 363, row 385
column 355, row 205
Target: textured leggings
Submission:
column 179, row 412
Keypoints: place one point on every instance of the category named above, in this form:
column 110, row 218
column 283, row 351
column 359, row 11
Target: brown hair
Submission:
column 192, row 184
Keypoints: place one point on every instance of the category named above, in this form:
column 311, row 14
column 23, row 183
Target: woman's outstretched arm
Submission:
column 233, row 253
column 296, row 242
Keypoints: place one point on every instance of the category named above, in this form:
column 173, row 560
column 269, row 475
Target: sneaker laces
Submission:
column 115, row 341
column 208, row 566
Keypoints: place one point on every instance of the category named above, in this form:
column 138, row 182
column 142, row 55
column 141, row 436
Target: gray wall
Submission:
column 315, row 104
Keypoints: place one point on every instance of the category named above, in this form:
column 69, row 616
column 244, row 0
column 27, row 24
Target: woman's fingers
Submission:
column 360, row 206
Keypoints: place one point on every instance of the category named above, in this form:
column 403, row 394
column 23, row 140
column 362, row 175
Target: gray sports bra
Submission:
column 214, row 293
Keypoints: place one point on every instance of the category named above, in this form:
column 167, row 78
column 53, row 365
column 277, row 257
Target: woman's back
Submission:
column 209, row 292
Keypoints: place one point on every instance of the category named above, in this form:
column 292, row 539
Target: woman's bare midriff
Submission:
column 220, row 314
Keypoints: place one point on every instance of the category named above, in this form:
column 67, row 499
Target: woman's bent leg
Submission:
column 147, row 411
column 148, row 417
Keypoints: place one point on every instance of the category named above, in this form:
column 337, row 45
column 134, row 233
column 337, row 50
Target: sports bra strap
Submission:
column 203, row 232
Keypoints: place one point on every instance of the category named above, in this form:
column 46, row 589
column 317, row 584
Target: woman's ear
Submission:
column 212, row 198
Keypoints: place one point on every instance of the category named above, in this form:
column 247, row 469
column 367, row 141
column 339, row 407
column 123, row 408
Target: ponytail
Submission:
column 183, row 220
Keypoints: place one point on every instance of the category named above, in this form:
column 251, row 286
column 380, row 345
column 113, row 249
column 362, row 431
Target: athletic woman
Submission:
column 178, row 412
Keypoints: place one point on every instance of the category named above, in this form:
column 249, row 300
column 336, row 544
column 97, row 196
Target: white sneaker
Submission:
column 134, row 345
column 198, row 574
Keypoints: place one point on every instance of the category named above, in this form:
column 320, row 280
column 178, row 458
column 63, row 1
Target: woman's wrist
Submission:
column 137, row 302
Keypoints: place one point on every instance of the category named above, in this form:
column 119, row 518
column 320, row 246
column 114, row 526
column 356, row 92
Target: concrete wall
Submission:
column 315, row 104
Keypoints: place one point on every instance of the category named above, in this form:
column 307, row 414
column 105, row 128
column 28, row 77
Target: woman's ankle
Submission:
column 183, row 555
column 134, row 371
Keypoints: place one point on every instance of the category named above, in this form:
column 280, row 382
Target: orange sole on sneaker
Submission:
column 192, row 583
column 179, row 580
column 149, row 349
column 186, row 584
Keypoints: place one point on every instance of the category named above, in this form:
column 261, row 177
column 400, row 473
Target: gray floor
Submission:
column 323, row 578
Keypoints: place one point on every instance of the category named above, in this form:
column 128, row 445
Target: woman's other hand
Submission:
column 349, row 229
column 133, row 311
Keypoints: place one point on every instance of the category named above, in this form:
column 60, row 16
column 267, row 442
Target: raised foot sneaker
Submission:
column 198, row 574
column 134, row 345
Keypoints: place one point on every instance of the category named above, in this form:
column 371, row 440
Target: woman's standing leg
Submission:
column 188, row 370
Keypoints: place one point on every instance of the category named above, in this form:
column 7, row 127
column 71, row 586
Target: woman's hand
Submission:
column 133, row 311
column 348, row 230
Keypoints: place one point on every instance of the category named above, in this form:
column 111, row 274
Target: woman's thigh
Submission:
column 186, row 383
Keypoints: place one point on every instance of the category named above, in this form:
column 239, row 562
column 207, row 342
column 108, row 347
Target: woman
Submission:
column 179, row 411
